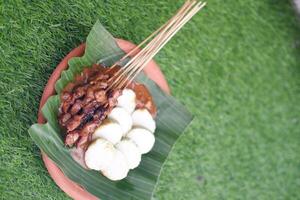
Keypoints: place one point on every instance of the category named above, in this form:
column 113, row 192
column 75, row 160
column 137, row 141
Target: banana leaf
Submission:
column 172, row 119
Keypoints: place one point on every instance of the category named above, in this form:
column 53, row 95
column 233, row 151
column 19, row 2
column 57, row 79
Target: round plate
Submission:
column 68, row 186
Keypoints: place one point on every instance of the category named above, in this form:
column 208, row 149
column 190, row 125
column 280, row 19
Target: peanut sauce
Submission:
column 143, row 98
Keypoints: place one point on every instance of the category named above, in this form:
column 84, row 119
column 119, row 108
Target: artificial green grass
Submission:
column 235, row 66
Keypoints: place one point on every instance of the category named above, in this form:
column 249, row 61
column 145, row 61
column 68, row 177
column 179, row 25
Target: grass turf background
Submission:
column 235, row 66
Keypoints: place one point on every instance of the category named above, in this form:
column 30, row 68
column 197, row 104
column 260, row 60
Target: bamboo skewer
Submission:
column 126, row 68
column 170, row 34
column 164, row 42
column 140, row 56
column 126, row 74
column 147, row 39
column 155, row 42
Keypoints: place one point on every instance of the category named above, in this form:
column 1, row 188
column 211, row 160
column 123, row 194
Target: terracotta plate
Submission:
column 71, row 188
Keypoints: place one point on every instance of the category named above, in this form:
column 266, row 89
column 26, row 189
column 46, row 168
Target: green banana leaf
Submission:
column 172, row 119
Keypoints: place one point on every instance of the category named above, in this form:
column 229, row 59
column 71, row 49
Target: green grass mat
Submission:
column 236, row 66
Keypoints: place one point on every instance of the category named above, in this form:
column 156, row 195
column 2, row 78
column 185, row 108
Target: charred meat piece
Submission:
column 80, row 92
column 100, row 96
column 100, row 114
column 102, row 85
column 100, row 78
column 89, row 127
column 66, row 96
column 90, row 92
column 112, row 100
column 87, row 117
column 76, row 107
column 90, row 107
column 74, row 122
column 65, row 106
column 64, row 118
column 72, row 138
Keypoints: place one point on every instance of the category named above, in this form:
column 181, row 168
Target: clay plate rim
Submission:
column 71, row 188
